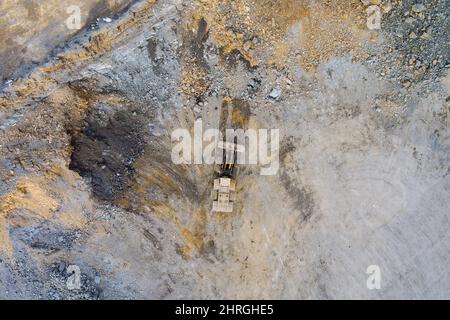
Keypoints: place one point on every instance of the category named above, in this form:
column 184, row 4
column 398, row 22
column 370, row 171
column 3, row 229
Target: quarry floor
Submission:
column 87, row 177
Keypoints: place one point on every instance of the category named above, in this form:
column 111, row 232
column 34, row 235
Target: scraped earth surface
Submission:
column 85, row 151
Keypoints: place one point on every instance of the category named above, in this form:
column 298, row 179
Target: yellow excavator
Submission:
column 224, row 191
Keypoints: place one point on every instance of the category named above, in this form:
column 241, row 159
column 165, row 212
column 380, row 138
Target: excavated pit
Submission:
column 87, row 177
column 106, row 148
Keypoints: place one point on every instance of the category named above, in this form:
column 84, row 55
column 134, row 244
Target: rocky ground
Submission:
column 85, row 149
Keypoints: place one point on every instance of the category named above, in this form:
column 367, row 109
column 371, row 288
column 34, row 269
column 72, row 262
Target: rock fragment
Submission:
column 418, row 8
column 275, row 93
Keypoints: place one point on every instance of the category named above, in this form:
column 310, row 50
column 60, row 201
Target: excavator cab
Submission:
column 229, row 162
column 228, row 170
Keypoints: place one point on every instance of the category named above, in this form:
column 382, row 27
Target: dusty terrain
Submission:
column 85, row 149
